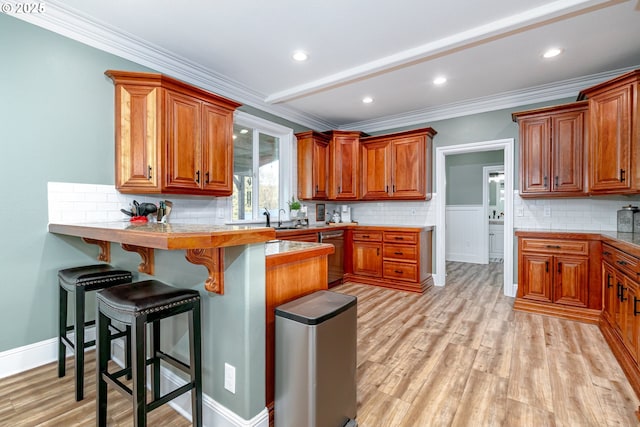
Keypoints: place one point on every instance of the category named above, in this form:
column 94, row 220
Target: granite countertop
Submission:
column 629, row 241
column 285, row 251
column 342, row 226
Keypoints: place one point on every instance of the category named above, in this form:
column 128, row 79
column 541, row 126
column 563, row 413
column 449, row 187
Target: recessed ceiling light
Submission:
column 439, row 80
column 244, row 131
column 550, row 53
column 300, row 56
column 367, row 100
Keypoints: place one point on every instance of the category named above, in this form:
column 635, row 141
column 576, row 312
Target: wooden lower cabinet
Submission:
column 556, row 275
column 397, row 258
column 620, row 322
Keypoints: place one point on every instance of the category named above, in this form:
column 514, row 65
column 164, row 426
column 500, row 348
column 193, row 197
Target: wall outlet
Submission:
column 547, row 211
column 519, row 211
column 230, row 378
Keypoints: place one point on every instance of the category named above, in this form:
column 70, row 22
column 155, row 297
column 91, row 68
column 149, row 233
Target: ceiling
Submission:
column 490, row 51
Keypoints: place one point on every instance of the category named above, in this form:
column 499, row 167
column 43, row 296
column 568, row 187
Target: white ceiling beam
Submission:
column 443, row 46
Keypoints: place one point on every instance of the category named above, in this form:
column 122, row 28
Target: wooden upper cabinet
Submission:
column 397, row 166
column 171, row 137
column 313, row 163
column 552, row 150
column 614, row 143
column 344, row 160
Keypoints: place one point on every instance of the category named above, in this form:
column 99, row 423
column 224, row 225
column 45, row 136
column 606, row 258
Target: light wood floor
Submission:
column 455, row 356
column 460, row 356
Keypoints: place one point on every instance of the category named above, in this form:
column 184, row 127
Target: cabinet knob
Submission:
column 622, row 175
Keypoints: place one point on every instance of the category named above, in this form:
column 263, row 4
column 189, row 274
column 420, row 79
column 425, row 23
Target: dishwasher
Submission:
column 336, row 260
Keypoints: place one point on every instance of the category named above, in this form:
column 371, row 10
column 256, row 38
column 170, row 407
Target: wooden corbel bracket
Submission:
column 147, row 255
column 105, row 248
column 213, row 260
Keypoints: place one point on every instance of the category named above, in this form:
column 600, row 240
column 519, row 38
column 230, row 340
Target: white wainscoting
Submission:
column 466, row 239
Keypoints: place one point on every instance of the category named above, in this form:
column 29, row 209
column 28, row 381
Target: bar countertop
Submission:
column 167, row 236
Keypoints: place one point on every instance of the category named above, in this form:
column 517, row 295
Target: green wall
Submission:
column 464, row 175
column 57, row 124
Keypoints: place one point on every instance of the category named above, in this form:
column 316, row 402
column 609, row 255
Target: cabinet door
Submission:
column 343, row 170
column 629, row 316
column 217, row 150
column 535, row 155
column 320, row 166
column 408, row 168
column 571, row 279
column 567, row 144
column 610, row 140
column 367, row 260
column 610, row 295
column 376, row 170
column 137, row 137
column 184, row 155
column 537, row 277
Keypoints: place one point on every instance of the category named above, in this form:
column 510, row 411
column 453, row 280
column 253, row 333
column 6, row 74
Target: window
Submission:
column 262, row 168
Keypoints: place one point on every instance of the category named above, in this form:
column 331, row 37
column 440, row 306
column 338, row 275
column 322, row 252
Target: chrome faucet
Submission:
column 268, row 215
column 279, row 218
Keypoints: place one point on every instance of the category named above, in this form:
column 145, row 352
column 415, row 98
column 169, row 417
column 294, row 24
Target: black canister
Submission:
column 626, row 219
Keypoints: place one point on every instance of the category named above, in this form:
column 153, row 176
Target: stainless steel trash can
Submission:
column 316, row 361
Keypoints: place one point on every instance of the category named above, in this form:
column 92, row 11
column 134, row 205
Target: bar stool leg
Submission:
column 138, row 332
column 78, row 330
column 103, row 350
column 195, row 364
column 155, row 349
column 62, row 331
column 127, row 351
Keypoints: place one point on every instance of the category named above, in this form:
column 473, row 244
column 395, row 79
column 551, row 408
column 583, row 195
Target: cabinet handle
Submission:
column 556, row 181
column 546, row 266
column 365, row 236
column 398, row 253
column 339, row 188
column 622, row 298
column 622, row 173
column 206, row 178
column 198, row 177
column 545, row 182
column 635, row 305
column 316, row 189
column 559, row 267
column 386, row 189
column 378, row 251
column 399, row 238
column 393, row 188
column 398, row 271
column 618, row 292
column 609, row 285
column 621, row 262
column 553, row 247
column 606, row 253
column 149, row 172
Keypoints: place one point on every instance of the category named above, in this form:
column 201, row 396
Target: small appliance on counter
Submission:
column 345, row 213
column 626, row 220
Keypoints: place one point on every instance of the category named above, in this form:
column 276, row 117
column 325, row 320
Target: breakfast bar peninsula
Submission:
column 243, row 279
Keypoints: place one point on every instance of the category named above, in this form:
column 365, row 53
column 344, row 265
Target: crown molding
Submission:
column 71, row 23
column 543, row 93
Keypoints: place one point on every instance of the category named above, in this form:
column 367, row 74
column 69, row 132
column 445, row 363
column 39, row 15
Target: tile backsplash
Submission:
column 79, row 203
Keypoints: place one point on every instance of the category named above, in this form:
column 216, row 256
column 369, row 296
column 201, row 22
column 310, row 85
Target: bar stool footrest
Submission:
column 170, row 396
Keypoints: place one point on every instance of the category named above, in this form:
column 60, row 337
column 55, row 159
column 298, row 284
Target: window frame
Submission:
column 286, row 184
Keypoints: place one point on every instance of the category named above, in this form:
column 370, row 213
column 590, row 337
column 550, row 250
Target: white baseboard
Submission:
column 31, row 356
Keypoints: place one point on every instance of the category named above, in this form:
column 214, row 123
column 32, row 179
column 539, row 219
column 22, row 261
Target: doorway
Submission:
column 439, row 277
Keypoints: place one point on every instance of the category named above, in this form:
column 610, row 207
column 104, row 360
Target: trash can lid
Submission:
column 316, row 308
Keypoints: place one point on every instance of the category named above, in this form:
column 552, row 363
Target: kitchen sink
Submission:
column 288, row 228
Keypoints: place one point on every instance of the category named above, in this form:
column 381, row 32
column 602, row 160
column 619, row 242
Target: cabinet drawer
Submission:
column 370, row 236
column 621, row 260
column 400, row 237
column 404, row 252
column 400, row 271
column 548, row 246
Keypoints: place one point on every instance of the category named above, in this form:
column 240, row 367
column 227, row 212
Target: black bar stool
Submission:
column 79, row 281
column 135, row 305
